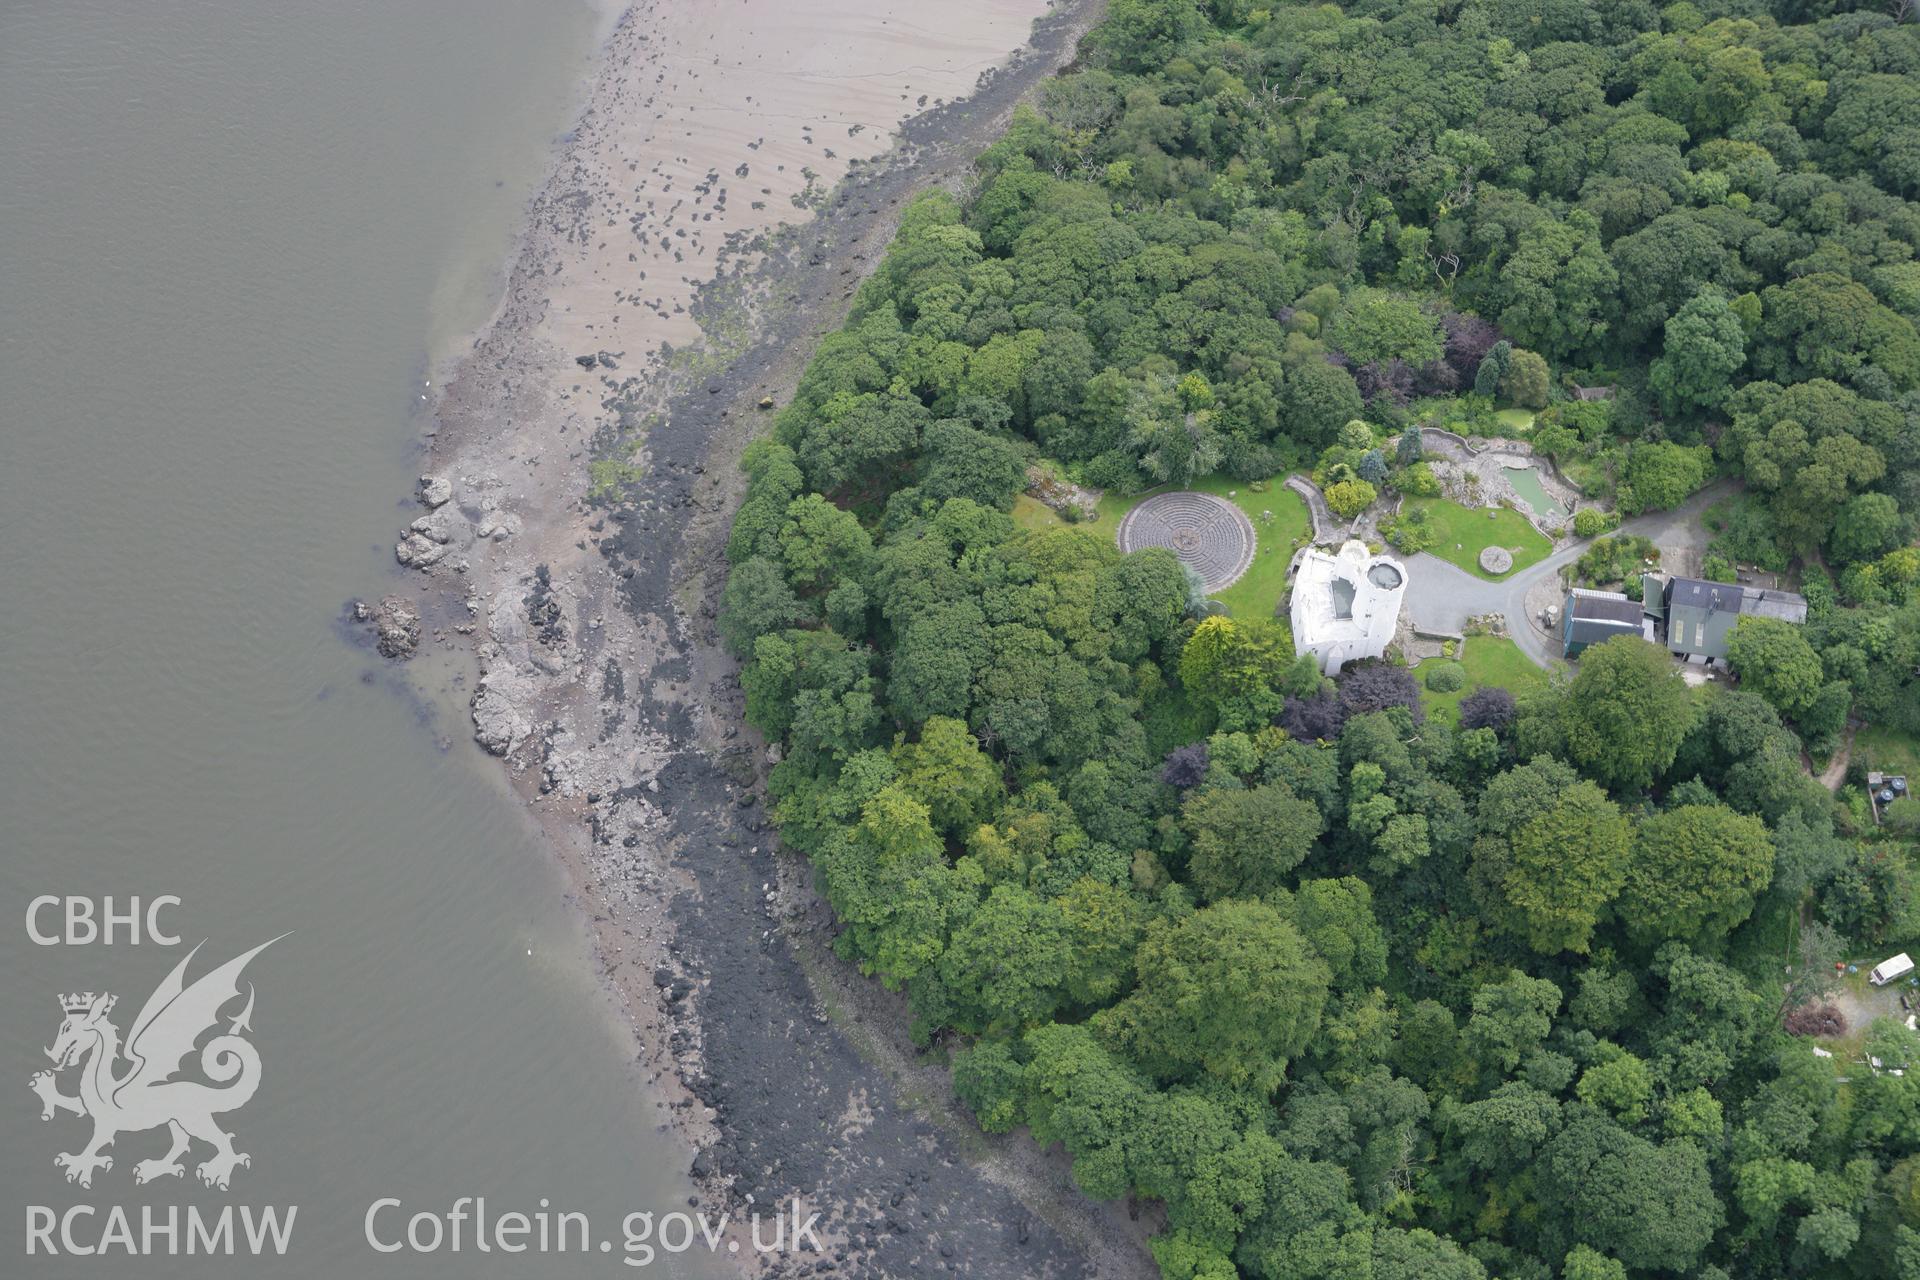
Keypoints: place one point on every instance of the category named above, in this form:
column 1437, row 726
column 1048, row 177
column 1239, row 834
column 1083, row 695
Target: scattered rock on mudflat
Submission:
column 435, row 491
column 499, row 528
column 397, row 624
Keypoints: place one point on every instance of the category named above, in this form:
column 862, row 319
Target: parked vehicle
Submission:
column 1887, row 970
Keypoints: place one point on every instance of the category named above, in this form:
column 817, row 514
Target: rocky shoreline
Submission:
column 575, row 509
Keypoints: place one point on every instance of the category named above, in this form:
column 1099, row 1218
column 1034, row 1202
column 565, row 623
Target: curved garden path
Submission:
column 1836, row 771
column 1324, row 529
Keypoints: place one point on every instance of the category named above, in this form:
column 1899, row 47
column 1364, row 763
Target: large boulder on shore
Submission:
column 441, row 526
column 435, row 491
column 429, row 538
column 498, row 724
column 418, row 551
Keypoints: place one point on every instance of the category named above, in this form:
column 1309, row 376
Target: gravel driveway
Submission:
column 1441, row 596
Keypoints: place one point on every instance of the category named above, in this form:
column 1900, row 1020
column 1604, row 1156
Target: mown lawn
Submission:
column 1280, row 522
column 1888, row 750
column 1279, row 518
column 1489, row 660
column 1461, row 533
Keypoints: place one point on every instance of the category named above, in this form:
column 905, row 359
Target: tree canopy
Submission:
column 1625, row 712
column 1349, row 984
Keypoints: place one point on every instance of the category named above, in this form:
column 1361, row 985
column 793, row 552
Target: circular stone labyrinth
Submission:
column 1209, row 535
column 1496, row 559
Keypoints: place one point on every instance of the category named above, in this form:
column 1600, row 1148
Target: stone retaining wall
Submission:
column 1485, row 458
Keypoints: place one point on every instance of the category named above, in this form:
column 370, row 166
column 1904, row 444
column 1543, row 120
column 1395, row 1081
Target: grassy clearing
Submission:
column 1593, row 477
column 1280, row 522
column 1518, row 419
column 1031, row 513
column 1888, row 750
column 1489, row 660
column 1463, row 532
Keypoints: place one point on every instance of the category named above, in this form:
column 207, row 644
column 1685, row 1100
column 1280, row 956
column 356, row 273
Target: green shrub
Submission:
column 1447, row 677
column 1903, row 816
column 1744, row 530
column 1613, row 559
column 1412, row 531
column 1418, row 481
column 1589, row 522
column 1350, row 497
column 1355, row 435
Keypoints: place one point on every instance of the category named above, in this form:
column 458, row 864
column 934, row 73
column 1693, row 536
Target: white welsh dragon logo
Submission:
column 145, row 1095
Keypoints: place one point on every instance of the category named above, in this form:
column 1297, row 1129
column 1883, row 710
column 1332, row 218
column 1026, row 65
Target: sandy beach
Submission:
column 735, row 172
column 753, row 111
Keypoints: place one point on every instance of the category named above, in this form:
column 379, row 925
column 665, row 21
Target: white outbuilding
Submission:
column 1346, row 604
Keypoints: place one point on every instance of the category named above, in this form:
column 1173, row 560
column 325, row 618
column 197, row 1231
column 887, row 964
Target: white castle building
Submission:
column 1346, row 604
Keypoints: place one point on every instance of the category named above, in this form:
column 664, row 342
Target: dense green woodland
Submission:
column 1350, row 993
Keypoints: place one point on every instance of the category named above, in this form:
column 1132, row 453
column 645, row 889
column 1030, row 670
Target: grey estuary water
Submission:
column 232, row 237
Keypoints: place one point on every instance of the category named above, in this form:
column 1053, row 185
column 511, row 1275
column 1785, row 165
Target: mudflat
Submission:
column 735, row 173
